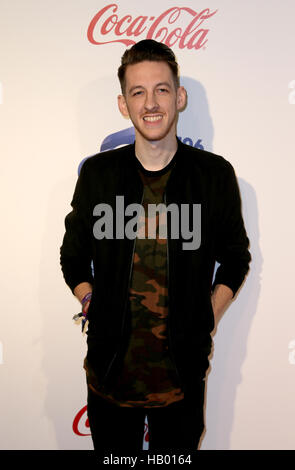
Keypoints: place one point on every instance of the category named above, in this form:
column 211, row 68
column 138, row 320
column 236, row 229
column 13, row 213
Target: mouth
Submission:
column 153, row 118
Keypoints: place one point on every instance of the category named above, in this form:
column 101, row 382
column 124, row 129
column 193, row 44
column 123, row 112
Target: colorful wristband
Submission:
column 86, row 298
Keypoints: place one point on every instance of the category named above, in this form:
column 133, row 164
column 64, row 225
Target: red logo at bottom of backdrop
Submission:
column 81, row 424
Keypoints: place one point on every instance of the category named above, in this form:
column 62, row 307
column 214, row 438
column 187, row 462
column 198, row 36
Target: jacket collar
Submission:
column 130, row 175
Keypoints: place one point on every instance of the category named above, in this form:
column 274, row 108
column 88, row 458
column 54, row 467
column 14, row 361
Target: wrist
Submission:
column 81, row 290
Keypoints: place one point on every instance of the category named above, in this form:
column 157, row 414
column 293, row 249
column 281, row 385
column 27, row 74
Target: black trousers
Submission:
column 119, row 430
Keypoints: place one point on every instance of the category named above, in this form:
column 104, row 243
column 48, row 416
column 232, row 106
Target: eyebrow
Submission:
column 135, row 87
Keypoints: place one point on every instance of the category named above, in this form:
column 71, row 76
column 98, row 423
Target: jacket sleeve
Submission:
column 232, row 242
column 75, row 252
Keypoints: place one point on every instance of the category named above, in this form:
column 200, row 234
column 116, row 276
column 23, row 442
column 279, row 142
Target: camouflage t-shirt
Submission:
column 148, row 377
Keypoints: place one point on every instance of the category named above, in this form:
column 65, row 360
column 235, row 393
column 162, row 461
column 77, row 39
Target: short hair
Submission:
column 151, row 50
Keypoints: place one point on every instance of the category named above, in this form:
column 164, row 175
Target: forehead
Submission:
column 147, row 73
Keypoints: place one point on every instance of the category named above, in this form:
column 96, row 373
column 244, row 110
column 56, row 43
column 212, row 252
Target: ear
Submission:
column 181, row 98
column 123, row 106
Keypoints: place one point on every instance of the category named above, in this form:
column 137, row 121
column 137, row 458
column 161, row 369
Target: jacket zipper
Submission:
column 125, row 308
column 170, row 348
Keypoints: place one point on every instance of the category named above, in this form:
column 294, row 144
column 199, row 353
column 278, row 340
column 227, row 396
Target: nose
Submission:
column 151, row 104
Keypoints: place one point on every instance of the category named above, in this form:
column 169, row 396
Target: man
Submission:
column 150, row 301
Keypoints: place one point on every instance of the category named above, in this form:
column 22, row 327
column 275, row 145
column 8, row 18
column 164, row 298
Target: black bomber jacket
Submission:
column 198, row 177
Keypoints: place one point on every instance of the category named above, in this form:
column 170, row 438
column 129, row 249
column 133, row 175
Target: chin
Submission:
column 153, row 135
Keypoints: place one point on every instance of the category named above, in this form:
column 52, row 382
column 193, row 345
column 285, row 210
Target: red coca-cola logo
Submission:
column 108, row 27
column 81, row 424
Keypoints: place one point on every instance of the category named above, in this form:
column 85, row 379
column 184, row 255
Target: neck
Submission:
column 155, row 155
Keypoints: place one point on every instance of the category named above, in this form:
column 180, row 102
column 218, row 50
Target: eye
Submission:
column 162, row 90
column 137, row 93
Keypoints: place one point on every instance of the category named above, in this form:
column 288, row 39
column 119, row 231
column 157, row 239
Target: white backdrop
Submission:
column 58, row 103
